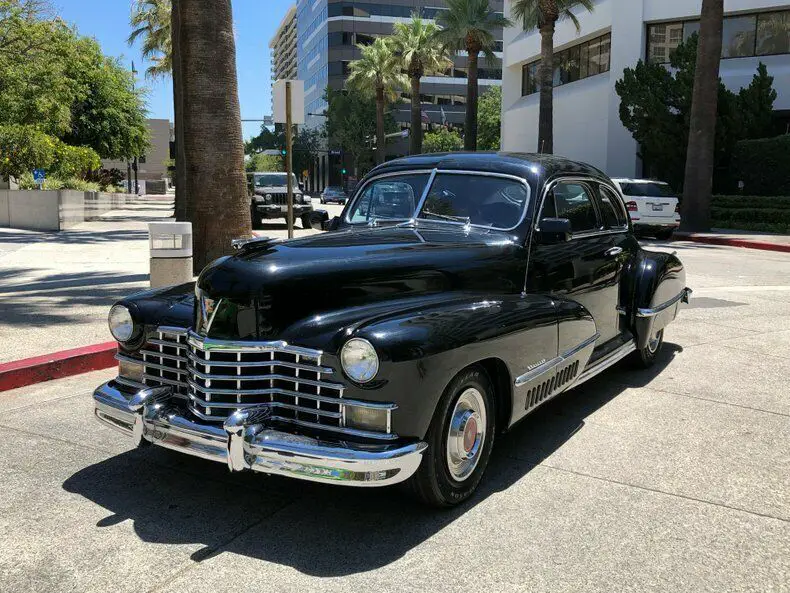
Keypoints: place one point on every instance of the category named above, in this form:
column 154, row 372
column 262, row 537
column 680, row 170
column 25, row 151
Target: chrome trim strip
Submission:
column 165, row 355
column 529, row 376
column 211, row 390
column 262, row 363
column 162, row 380
column 169, row 329
column 424, row 195
column 684, row 295
column 235, row 346
column 604, row 364
column 129, row 383
column 275, row 404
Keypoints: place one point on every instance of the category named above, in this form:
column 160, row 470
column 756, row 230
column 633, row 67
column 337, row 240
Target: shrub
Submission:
column 763, row 165
column 55, row 183
column 752, row 213
column 442, row 141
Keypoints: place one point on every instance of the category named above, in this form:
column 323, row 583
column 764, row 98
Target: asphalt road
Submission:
column 674, row 479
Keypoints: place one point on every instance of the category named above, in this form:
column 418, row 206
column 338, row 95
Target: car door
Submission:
column 584, row 268
column 624, row 245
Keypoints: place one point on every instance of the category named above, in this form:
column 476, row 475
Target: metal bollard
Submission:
column 170, row 244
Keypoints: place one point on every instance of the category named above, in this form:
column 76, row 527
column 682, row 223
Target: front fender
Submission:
column 171, row 306
column 421, row 351
column 659, row 287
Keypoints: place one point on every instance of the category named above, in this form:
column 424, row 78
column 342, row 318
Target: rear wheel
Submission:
column 646, row 357
column 460, row 440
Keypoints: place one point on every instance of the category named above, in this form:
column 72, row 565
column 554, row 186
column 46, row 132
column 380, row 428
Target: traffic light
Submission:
column 343, row 171
column 283, row 152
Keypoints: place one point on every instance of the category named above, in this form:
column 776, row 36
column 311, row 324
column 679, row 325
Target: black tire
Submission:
column 645, row 358
column 664, row 235
column 433, row 483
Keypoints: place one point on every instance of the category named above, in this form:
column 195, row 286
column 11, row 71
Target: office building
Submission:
column 616, row 36
column 328, row 32
column 153, row 165
column 283, row 48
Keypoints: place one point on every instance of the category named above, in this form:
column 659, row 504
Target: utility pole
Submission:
column 288, row 158
column 134, row 165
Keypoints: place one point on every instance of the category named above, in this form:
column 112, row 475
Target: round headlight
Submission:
column 268, row 196
column 121, row 323
column 359, row 360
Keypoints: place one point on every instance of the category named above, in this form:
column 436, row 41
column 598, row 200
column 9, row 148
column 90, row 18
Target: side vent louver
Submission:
column 551, row 386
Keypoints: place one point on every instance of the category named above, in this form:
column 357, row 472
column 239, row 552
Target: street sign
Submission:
column 38, row 176
column 268, row 120
column 297, row 101
column 335, row 152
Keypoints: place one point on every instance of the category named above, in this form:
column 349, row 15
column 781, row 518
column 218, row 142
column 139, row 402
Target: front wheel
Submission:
column 460, row 440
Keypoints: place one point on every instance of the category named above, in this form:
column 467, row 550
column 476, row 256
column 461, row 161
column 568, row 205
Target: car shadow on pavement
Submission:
column 317, row 529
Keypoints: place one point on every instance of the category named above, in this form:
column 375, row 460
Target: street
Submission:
column 672, row 479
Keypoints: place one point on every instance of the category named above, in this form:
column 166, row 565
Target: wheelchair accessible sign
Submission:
column 38, row 176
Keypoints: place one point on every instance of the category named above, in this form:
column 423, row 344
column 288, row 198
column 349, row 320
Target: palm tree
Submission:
column 419, row 52
column 543, row 15
column 698, row 185
column 469, row 25
column 150, row 21
column 218, row 205
column 155, row 22
column 378, row 72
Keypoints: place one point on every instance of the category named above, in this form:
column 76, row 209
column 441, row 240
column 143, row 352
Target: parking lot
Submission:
column 672, row 479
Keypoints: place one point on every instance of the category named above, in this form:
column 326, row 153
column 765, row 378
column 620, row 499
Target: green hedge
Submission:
column 763, row 165
column 752, row 213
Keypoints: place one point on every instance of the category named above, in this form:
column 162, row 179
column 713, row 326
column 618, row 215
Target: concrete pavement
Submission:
column 673, row 479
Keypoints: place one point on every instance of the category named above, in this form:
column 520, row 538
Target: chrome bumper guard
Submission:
column 245, row 441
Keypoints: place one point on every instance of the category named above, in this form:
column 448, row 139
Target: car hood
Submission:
column 345, row 269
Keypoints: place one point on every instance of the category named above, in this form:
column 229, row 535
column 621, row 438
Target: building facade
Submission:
column 283, row 48
column 616, row 36
column 153, row 165
column 328, row 32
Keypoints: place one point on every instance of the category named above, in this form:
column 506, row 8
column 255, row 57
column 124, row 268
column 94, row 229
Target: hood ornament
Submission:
column 252, row 242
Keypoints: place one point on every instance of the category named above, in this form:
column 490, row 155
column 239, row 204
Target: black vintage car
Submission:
column 453, row 296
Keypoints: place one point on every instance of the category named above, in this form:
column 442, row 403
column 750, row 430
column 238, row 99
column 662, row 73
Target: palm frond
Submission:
column 535, row 13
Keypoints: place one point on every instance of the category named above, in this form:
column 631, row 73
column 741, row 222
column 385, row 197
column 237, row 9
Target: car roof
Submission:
column 521, row 164
column 627, row 180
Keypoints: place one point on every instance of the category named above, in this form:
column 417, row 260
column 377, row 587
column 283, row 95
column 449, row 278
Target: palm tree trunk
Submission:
column 215, row 179
column 470, row 123
column 380, row 140
column 178, row 107
column 695, row 211
column 415, row 137
column 546, row 115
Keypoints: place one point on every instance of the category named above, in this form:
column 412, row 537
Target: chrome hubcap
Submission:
column 466, row 435
column 652, row 343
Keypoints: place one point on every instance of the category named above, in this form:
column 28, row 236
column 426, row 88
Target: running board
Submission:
column 604, row 364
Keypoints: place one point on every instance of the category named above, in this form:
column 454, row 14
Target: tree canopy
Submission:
column 61, row 98
column 442, row 141
column 655, row 106
column 489, row 119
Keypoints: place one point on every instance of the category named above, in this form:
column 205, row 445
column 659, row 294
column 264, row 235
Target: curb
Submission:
column 733, row 242
column 29, row 371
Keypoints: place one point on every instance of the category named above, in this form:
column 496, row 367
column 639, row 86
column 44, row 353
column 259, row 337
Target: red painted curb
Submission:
column 733, row 242
column 28, row 371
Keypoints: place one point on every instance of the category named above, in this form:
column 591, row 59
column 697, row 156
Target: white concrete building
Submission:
column 616, row 36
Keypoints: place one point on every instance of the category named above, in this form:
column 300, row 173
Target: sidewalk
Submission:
column 732, row 238
column 56, row 288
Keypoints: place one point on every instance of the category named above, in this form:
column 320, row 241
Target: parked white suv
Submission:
column 652, row 206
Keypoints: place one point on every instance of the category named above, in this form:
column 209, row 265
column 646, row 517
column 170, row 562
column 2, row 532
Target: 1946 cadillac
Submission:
column 454, row 295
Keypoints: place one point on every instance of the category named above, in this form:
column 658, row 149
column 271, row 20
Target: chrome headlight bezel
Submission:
column 359, row 360
column 121, row 323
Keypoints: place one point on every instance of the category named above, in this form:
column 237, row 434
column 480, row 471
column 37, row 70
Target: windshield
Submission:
column 467, row 198
column 647, row 190
column 273, row 180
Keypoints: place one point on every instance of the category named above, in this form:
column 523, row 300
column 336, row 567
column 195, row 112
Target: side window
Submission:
column 573, row 201
column 612, row 209
column 389, row 198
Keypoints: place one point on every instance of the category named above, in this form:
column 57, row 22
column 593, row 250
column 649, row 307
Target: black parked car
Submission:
column 334, row 193
column 453, row 296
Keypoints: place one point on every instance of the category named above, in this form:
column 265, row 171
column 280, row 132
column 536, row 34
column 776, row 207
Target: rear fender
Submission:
column 659, row 288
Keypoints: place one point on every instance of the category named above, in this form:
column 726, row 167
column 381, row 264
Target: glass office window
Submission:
column 739, row 36
column 572, row 64
column 773, row 33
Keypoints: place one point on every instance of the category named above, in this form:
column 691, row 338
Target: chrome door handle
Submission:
column 614, row 251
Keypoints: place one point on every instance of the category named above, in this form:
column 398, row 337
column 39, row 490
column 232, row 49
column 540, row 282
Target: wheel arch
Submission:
column 502, row 382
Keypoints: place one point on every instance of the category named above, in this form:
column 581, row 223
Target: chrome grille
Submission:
column 218, row 378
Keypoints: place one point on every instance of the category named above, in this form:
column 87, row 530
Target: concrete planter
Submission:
column 54, row 210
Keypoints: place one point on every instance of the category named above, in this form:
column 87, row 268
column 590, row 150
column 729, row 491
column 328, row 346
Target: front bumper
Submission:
column 245, row 441
column 280, row 210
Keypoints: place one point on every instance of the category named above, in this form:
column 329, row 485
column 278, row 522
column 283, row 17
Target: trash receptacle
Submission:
column 170, row 244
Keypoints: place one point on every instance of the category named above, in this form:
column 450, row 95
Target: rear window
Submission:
column 647, row 190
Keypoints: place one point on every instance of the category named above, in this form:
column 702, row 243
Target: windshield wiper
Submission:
column 464, row 219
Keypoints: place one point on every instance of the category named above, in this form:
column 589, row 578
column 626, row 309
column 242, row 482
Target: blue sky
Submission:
column 255, row 23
